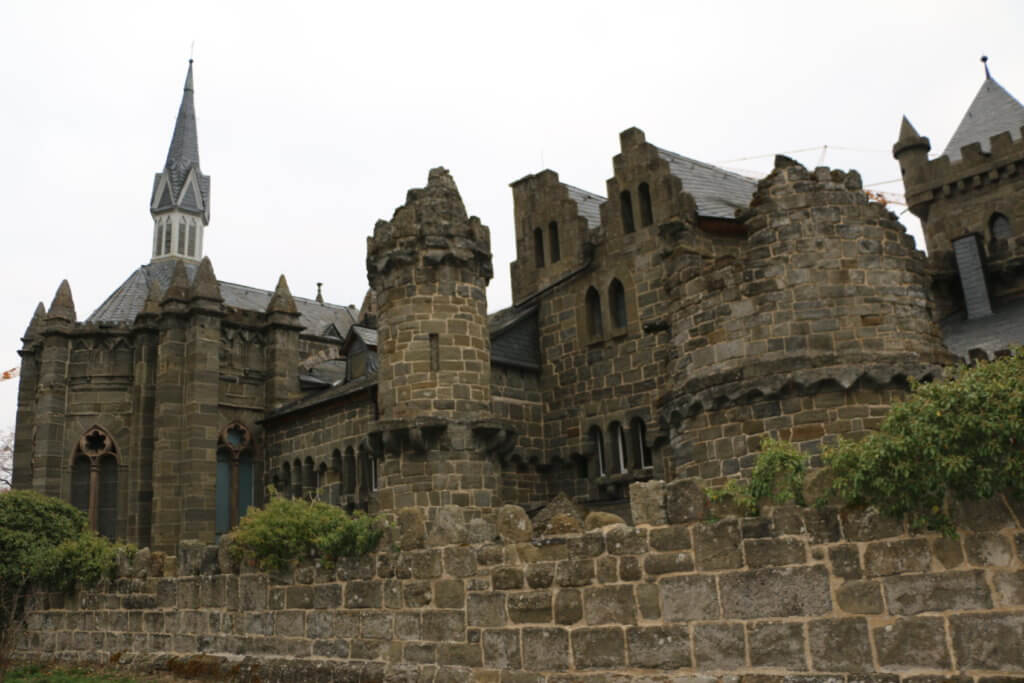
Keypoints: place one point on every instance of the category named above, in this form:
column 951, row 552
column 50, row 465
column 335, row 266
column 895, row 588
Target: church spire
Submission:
column 180, row 204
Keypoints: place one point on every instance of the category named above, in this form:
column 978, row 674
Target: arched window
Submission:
column 999, row 227
column 167, row 237
column 367, row 472
column 234, row 486
column 348, row 471
column 308, row 478
column 159, row 237
column 556, row 249
column 597, row 443
column 538, row 247
column 181, row 237
column 321, row 482
column 192, row 238
column 594, row 327
column 639, row 434
column 617, row 296
column 297, row 479
column 94, row 475
column 626, row 205
column 338, row 483
column 285, row 485
column 617, row 462
column 646, row 214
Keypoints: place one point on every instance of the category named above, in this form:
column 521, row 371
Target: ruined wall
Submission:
column 842, row 595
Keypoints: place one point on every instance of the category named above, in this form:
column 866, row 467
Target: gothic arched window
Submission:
column 999, row 227
column 556, row 248
column 646, row 214
column 94, row 475
column 593, row 306
column 617, row 462
column 338, row 483
column 234, row 488
column 538, row 247
column 639, row 434
column 192, row 238
column 348, row 471
column 597, row 444
column 617, row 297
column 626, row 206
column 167, row 237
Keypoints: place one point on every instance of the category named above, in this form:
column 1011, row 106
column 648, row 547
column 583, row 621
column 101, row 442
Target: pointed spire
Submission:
column 907, row 130
column 993, row 111
column 910, row 139
column 178, row 289
column 184, row 150
column 984, row 60
column 282, row 301
column 63, row 306
column 205, row 285
column 38, row 318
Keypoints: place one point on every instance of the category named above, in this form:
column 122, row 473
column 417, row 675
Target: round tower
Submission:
column 429, row 267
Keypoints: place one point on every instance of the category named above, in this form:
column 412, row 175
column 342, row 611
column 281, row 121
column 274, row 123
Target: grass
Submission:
column 37, row 673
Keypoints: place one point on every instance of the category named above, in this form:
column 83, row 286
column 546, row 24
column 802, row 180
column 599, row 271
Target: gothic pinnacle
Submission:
column 63, row 306
column 205, row 286
column 178, row 289
column 282, row 301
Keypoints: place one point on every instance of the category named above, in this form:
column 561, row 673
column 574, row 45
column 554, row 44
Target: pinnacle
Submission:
column 63, row 306
column 907, row 130
column 178, row 289
column 153, row 296
column 205, row 286
column 282, row 301
column 37, row 318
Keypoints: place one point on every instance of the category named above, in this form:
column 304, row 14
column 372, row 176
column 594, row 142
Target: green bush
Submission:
column 962, row 436
column 777, row 478
column 292, row 529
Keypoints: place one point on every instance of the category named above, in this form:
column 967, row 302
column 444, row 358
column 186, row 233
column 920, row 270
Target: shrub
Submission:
column 777, row 478
column 963, row 436
column 292, row 529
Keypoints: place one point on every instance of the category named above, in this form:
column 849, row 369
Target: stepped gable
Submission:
column 589, row 205
column 993, row 111
column 129, row 299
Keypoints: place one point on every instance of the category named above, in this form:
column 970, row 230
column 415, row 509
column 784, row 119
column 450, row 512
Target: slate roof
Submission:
column 718, row 193
column 1001, row 330
column 368, row 335
column 589, row 205
column 993, row 111
column 515, row 338
column 127, row 301
column 183, row 154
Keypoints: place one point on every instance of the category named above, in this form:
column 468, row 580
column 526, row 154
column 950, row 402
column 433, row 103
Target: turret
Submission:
column 911, row 151
column 180, row 204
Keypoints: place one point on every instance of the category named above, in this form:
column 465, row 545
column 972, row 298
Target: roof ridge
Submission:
column 705, row 164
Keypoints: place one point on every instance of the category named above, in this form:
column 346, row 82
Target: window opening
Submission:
column 234, row 485
column 617, row 294
column 556, row 249
column 192, row 239
column 435, row 352
column 94, row 480
column 999, row 225
column 626, row 205
column 646, row 214
column 159, row 238
column 538, row 247
column 348, row 475
column 618, row 462
column 640, row 438
column 181, row 238
column 593, row 305
column 597, row 440
column 167, row 238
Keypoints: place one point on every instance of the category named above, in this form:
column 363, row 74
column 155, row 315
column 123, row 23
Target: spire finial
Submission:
column 319, row 292
column 984, row 60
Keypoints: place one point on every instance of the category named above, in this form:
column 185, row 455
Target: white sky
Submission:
column 315, row 118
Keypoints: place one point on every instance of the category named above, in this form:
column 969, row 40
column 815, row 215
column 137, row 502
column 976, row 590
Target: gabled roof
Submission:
column 515, row 337
column 127, row 301
column 718, row 193
column 589, row 205
column 992, row 112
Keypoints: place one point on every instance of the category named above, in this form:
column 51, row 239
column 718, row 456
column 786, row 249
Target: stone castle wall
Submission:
column 795, row 594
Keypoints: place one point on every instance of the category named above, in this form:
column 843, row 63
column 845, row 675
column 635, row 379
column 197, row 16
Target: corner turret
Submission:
column 911, row 151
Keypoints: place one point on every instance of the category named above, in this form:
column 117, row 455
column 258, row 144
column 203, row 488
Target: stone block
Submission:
column 425, row 564
column 290, row 623
column 948, row 552
column 670, row 538
column 868, row 524
column 501, row 649
column 685, row 502
column 755, row 527
column 775, row 592
column 647, row 503
column 845, row 560
column 884, row 558
column 626, row 540
column 717, row 545
column 460, row 562
column 485, row 609
column 299, row 597
column 481, row 530
column 689, row 598
column 448, row 527
column 568, row 607
column 629, row 568
column 988, row 514
column 860, row 597
column 586, row 546
column 443, row 625
column 787, row 520
column 839, row 645
column 562, row 523
column 598, row 520
column 530, row 608
column 513, row 524
column 460, row 654
column 659, row 647
column 777, row 644
column 822, row 524
column 607, row 569
column 363, row 595
column 376, row 625
column 911, row 643
column 1009, row 588
column 598, row 648
column 361, row 567
column 545, row 649
column 327, row 596
column 774, row 552
column 449, row 594
column 719, row 646
column 963, row 590
column 656, row 564
column 989, row 642
column 988, row 549
column 507, row 578
column 190, row 557
column 575, row 572
column 540, row 574
column 609, row 605
column 419, row 653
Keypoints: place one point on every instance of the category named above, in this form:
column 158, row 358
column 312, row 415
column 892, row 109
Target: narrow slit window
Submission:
column 593, row 305
column 159, row 238
column 618, row 462
column 181, row 237
column 617, row 295
column 646, row 214
column 626, row 204
column 640, row 437
column 597, row 441
column 556, row 249
column 192, row 239
column 435, row 353
column 167, row 238
column 538, row 247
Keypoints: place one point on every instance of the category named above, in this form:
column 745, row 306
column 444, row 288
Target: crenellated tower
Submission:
column 180, row 204
column 429, row 266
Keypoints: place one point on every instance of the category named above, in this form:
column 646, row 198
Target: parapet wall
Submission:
column 829, row 594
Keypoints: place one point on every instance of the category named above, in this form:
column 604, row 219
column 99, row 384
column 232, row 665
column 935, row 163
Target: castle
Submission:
column 656, row 333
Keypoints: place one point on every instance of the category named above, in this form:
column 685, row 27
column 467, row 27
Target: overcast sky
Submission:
column 315, row 118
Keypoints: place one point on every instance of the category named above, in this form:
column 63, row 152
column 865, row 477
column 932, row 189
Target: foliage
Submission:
column 962, row 436
column 778, row 478
column 291, row 529
column 34, row 673
column 6, row 458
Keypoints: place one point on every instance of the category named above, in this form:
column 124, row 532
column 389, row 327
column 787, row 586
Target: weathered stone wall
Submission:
column 827, row 594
